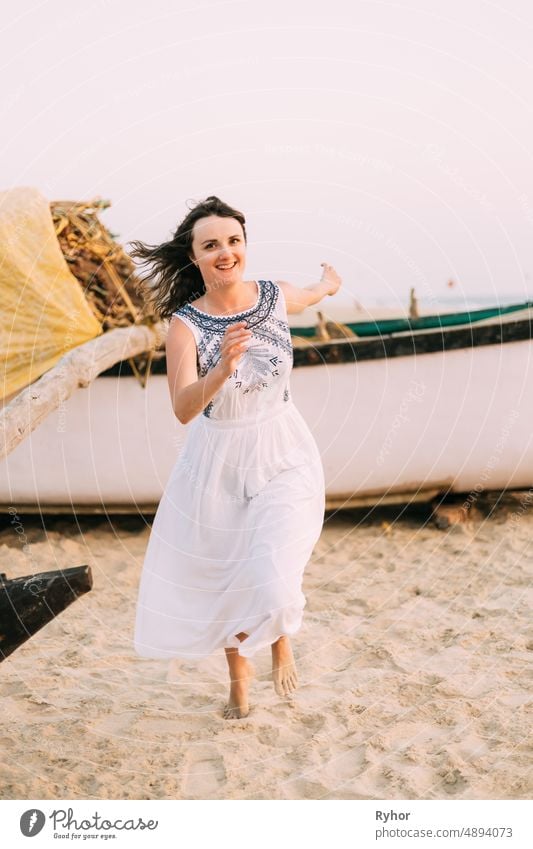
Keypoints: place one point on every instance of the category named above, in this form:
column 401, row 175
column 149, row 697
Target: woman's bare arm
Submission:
column 190, row 394
column 298, row 299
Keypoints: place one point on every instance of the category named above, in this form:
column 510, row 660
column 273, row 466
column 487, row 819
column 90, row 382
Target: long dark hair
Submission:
column 174, row 279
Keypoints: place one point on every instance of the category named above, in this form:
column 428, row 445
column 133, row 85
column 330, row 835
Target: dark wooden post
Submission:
column 29, row 603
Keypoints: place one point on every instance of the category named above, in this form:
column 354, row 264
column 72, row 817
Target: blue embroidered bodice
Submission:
column 261, row 379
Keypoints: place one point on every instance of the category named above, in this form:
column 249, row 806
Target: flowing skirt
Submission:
column 233, row 533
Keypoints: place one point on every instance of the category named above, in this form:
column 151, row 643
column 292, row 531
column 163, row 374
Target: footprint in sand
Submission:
column 449, row 778
column 302, row 788
column 203, row 774
column 313, row 722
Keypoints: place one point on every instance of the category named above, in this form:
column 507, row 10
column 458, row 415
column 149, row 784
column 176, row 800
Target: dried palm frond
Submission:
column 103, row 269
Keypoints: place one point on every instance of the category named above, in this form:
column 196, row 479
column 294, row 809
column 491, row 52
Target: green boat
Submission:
column 383, row 327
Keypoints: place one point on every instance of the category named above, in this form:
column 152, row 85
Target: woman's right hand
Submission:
column 233, row 346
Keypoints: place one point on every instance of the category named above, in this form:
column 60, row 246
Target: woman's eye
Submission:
column 210, row 245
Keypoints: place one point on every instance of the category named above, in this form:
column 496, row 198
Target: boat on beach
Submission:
column 376, row 325
column 398, row 417
column 402, row 407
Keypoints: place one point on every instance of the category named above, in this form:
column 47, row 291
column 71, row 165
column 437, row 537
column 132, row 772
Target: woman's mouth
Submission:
column 227, row 266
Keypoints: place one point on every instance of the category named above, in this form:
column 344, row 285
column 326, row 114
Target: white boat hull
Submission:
column 385, row 428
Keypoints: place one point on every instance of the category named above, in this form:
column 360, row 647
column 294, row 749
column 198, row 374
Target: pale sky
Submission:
column 391, row 139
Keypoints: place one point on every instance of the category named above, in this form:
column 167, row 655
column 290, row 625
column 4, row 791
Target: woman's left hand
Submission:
column 331, row 278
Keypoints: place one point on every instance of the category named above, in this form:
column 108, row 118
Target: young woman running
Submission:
column 244, row 504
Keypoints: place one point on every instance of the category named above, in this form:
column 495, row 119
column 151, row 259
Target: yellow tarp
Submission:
column 43, row 311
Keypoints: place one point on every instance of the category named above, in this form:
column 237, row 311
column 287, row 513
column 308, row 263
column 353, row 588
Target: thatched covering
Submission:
column 103, row 269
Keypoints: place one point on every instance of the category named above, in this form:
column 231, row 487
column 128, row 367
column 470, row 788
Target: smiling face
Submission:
column 219, row 250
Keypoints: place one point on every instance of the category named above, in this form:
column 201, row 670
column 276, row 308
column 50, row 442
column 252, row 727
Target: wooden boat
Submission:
column 398, row 416
column 385, row 326
column 29, row 603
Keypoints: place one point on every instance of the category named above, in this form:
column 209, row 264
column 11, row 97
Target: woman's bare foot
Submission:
column 284, row 673
column 241, row 673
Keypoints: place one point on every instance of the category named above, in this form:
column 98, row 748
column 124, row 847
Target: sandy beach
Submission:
column 412, row 661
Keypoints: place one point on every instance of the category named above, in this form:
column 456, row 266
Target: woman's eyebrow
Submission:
column 235, row 236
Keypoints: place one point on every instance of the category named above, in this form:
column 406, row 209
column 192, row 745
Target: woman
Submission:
column 244, row 504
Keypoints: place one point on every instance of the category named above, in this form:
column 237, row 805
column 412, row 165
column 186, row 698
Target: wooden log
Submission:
column 77, row 368
column 29, row 603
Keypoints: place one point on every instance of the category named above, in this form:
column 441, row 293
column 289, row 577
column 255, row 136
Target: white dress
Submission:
column 243, row 507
